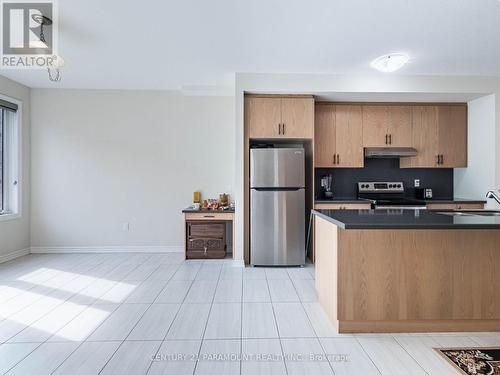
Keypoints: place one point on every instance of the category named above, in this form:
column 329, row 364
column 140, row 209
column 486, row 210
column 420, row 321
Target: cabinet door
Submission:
column 375, row 126
column 349, row 136
column 297, row 117
column 424, row 138
column 399, row 126
column 263, row 117
column 324, row 135
column 452, row 135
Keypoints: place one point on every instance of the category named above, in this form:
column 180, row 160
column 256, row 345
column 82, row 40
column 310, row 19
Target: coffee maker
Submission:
column 326, row 185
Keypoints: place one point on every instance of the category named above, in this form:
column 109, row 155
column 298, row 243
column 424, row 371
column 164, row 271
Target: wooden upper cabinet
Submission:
column 324, row 135
column 452, row 136
column 439, row 133
column 349, row 136
column 272, row 117
column 297, row 117
column 263, row 116
column 338, row 136
column 424, row 138
column 375, row 120
column 386, row 126
column 399, row 126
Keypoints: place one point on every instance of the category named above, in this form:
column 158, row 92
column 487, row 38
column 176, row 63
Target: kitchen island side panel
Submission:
column 410, row 280
column 326, row 266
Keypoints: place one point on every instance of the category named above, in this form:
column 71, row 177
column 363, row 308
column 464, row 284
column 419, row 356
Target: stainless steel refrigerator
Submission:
column 277, row 207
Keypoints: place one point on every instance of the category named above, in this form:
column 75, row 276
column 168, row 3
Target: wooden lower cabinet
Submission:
column 332, row 206
column 455, row 206
column 408, row 280
column 206, row 240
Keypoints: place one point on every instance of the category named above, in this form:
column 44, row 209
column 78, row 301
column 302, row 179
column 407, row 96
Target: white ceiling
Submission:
column 164, row 44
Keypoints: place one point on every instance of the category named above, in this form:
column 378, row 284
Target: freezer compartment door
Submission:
column 277, row 228
column 277, row 167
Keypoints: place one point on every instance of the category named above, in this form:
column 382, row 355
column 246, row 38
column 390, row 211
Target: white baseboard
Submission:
column 14, row 254
column 108, row 249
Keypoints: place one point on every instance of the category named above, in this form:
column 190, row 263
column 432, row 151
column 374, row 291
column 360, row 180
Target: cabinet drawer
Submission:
column 342, row 206
column 455, row 206
column 206, row 229
column 216, row 216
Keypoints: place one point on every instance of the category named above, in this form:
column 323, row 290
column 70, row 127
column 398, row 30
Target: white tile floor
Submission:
column 158, row 314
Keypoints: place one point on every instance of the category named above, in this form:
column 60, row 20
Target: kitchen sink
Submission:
column 470, row 213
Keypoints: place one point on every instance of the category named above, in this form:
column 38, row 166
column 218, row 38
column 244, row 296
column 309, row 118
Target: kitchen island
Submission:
column 408, row 270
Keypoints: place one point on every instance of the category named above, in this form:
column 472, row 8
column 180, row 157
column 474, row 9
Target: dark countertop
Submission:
column 436, row 200
column 341, row 200
column 207, row 211
column 405, row 219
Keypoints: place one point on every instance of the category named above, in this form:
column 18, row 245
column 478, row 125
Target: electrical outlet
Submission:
column 417, row 183
column 125, row 227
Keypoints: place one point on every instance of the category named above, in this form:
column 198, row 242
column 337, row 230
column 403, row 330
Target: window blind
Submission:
column 8, row 105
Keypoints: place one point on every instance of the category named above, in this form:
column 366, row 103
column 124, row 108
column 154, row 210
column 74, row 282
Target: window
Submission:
column 9, row 159
column 2, row 158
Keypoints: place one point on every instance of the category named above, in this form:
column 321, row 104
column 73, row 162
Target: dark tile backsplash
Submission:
column 345, row 179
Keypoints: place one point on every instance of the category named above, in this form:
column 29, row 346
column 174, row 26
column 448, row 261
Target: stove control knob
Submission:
column 399, row 185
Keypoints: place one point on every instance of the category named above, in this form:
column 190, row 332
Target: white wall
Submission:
column 101, row 158
column 15, row 234
column 377, row 83
column 479, row 177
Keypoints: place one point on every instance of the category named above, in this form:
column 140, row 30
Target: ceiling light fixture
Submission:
column 57, row 61
column 54, row 68
column 390, row 63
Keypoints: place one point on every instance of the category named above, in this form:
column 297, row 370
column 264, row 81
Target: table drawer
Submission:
column 209, row 216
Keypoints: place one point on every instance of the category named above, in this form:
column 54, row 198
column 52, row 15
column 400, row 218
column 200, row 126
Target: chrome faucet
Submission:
column 492, row 194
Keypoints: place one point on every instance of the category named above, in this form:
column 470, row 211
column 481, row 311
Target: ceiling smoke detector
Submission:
column 390, row 63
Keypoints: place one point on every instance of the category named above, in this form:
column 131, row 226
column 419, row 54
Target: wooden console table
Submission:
column 196, row 216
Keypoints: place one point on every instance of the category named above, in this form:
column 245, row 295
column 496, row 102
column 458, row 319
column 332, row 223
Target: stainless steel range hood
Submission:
column 389, row 152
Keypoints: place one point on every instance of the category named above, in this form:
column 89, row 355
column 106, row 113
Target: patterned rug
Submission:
column 473, row 361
